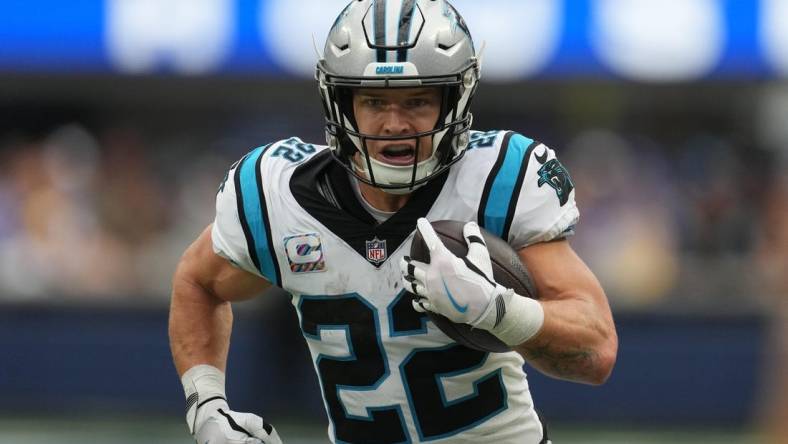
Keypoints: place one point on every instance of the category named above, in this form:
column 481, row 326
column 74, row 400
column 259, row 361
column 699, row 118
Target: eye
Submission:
column 373, row 102
column 417, row 102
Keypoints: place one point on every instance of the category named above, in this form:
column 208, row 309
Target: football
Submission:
column 507, row 271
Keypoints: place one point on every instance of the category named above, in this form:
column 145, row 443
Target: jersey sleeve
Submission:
column 227, row 234
column 529, row 196
column 241, row 231
column 546, row 209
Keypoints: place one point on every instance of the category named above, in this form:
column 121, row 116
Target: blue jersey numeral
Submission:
column 366, row 367
column 294, row 150
column 483, row 140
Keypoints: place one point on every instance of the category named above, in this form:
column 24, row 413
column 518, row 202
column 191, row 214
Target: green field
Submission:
column 158, row 431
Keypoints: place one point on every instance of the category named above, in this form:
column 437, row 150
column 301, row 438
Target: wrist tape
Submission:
column 523, row 319
column 201, row 384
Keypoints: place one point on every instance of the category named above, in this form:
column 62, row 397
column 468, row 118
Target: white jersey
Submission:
column 287, row 213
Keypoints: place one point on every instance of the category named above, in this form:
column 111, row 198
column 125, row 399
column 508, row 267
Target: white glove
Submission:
column 459, row 288
column 463, row 289
column 209, row 418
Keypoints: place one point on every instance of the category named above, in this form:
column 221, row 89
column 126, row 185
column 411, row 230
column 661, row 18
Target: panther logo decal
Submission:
column 452, row 14
column 554, row 174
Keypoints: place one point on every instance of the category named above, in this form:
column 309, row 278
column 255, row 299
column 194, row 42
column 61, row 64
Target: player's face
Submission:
column 397, row 112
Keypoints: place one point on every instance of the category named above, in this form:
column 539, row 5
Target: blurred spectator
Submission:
column 84, row 220
column 626, row 230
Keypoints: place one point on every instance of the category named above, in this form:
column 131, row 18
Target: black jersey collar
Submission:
column 351, row 222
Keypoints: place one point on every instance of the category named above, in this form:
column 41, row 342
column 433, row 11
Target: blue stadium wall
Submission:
column 117, row 361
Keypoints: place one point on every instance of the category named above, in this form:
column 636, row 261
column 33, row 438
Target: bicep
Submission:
column 201, row 266
column 559, row 273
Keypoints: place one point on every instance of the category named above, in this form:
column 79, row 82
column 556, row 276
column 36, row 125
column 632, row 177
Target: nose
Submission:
column 396, row 122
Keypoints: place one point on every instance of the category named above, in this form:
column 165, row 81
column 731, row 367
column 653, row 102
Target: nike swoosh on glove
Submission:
column 209, row 418
column 461, row 289
column 217, row 424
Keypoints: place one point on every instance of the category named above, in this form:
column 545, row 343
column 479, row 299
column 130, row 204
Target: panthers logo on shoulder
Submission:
column 554, row 174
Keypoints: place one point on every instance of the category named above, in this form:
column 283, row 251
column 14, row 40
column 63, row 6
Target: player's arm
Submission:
column 568, row 333
column 201, row 318
column 577, row 340
column 200, row 323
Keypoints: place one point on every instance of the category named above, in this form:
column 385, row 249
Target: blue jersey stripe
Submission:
column 254, row 208
column 504, row 186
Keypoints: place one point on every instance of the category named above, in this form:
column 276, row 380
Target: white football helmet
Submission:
column 398, row 44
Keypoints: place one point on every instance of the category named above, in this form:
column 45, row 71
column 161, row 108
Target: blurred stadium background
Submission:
column 119, row 118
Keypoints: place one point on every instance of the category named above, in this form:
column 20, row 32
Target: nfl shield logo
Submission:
column 376, row 251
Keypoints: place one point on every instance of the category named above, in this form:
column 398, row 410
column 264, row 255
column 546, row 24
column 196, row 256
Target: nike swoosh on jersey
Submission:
column 458, row 307
column 543, row 158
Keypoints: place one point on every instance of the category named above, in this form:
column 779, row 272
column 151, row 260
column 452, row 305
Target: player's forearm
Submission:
column 199, row 326
column 576, row 343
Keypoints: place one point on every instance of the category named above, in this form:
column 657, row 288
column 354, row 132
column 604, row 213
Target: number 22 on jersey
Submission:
column 366, row 367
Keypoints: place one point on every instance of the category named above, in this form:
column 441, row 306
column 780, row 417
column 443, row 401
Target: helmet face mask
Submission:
column 437, row 53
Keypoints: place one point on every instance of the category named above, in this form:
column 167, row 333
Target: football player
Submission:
column 332, row 225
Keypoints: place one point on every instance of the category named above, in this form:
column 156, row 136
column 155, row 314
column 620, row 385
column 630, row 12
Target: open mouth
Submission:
column 398, row 154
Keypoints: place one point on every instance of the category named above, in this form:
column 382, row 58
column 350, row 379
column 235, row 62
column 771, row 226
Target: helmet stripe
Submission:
column 405, row 23
column 380, row 29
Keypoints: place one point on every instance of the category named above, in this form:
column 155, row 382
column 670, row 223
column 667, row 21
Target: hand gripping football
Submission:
column 507, row 271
